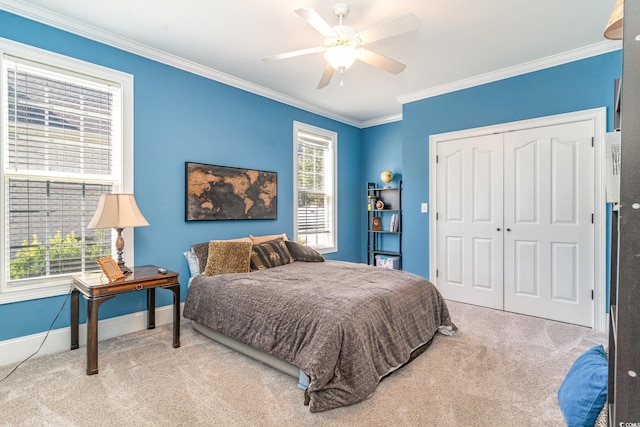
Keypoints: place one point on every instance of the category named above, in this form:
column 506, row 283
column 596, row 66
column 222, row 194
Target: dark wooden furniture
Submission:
column 96, row 289
column 624, row 320
column 381, row 242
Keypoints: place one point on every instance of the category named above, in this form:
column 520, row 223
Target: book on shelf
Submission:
column 394, row 225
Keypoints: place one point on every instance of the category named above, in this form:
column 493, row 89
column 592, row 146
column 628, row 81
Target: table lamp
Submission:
column 118, row 211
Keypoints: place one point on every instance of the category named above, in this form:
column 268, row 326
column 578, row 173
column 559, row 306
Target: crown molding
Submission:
column 527, row 67
column 381, row 121
column 73, row 26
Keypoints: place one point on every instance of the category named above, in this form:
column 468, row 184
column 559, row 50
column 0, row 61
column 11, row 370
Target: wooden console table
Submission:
column 96, row 289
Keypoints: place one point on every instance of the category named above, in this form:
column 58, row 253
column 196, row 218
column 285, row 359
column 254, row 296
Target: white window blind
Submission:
column 315, row 189
column 60, row 133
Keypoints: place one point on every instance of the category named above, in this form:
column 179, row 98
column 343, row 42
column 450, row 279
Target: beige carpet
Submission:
column 500, row 369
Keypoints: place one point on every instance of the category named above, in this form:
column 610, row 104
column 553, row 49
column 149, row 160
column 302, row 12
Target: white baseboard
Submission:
column 17, row 349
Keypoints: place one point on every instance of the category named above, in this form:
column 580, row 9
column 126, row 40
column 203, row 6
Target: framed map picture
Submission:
column 222, row 193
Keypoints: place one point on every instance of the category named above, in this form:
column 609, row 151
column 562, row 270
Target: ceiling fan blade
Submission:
column 292, row 54
column 380, row 61
column 326, row 76
column 316, row 21
column 391, row 28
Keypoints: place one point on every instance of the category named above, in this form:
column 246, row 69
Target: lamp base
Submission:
column 120, row 250
column 124, row 268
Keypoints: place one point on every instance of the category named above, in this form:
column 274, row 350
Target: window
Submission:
column 314, row 188
column 62, row 147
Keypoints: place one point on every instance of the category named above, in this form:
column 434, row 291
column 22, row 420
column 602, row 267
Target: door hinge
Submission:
column 592, row 293
column 436, row 272
column 592, row 141
column 436, row 216
column 436, row 159
column 591, row 218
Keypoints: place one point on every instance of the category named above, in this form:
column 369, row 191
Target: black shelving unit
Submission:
column 386, row 241
column 624, row 313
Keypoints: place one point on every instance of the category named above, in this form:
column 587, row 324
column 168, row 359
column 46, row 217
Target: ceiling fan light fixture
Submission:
column 341, row 57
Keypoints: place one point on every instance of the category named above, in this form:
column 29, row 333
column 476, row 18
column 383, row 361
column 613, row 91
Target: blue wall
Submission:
column 183, row 117
column 575, row 86
column 381, row 150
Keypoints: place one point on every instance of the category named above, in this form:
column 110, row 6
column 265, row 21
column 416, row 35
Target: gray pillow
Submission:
column 270, row 254
column 201, row 251
column 303, row 253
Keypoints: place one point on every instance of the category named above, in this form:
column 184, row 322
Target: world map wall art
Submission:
column 223, row 193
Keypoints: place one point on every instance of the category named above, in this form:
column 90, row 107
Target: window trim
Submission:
column 299, row 126
column 61, row 285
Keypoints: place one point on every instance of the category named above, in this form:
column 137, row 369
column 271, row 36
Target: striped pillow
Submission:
column 270, row 254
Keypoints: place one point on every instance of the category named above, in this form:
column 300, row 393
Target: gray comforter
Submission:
column 345, row 325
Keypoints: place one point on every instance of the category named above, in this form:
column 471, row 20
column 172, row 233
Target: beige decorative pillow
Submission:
column 256, row 240
column 201, row 250
column 228, row 257
column 270, row 254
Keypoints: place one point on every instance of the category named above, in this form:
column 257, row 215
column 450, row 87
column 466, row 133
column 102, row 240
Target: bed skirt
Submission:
column 259, row 355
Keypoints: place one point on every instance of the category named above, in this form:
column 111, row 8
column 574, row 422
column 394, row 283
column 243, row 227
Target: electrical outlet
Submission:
column 424, row 207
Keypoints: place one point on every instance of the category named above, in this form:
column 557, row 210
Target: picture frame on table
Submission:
column 110, row 268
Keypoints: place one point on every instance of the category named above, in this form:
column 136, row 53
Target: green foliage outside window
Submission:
column 59, row 256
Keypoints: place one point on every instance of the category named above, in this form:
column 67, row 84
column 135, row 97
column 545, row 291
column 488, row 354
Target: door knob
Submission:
column 508, row 229
column 498, row 229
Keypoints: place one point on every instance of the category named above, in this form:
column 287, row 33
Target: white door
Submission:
column 549, row 234
column 514, row 221
column 469, row 200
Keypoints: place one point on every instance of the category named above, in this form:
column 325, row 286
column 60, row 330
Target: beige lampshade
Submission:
column 117, row 211
column 613, row 30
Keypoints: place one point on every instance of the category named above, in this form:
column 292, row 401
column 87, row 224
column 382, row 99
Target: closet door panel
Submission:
column 548, row 198
column 469, row 236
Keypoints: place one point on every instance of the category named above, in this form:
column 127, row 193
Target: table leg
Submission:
column 151, row 308
column 75, row 318
column 176, row 314
column 93, row 304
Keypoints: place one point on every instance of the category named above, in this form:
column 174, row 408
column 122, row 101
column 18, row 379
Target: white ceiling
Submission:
column 459, row 43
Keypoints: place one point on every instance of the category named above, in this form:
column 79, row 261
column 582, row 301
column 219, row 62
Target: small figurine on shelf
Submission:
column 376, row 223
column 371, row 202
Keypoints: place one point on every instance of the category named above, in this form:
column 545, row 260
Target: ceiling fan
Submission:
column 343, row 44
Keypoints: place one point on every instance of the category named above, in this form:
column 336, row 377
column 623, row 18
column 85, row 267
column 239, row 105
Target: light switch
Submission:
column 424, row 207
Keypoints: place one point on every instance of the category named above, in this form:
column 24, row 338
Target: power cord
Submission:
column 43, row 340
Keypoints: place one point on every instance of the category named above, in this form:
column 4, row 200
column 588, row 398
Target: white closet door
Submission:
column 470, row 236
column 549, row 234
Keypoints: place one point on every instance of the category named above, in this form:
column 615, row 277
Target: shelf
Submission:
column 390, row 253
column 624, row 355
column 377, row 241
column 382, row 189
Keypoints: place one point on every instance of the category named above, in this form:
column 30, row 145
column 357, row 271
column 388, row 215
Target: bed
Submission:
column 339, row 327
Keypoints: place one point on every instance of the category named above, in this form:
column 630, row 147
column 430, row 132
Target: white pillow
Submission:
column 192, row 261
